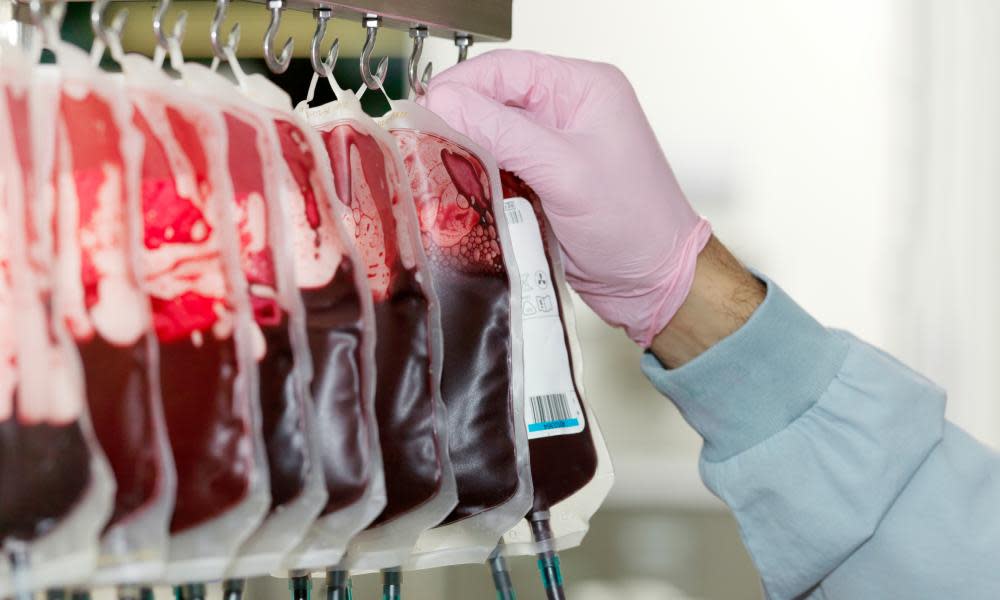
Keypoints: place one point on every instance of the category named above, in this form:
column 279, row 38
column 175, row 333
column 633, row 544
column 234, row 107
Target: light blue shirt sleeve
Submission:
column 836, row 460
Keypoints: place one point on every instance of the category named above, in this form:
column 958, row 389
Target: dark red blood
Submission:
column 475, row 385
column 121, row 410
column 283, row 423
column 44, row 469
column 211, row 442
column 334, row 326
column 560, row 465
column 209, row 428
column 404, row 398
column 116, row 377
column 472, row 285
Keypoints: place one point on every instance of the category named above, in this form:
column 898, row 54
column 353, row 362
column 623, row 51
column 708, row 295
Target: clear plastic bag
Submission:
column 191, row 271
column 371, row 183
column 456, row 189
column 58, row 488
column 298, row 490
column 98, row 231
column 340, row 326
column 570, row 465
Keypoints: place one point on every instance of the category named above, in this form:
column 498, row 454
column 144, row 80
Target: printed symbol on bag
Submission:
column 541, row 280
column 526, row 283
column 529, row 307
column 545, row 303
column 512, row 213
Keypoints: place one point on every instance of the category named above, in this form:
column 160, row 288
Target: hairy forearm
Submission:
column 722, row 298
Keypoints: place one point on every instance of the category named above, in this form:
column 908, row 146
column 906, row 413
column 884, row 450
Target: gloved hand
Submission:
column 574, row 131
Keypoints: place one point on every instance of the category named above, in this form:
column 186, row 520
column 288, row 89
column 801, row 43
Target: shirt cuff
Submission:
column 755, row 382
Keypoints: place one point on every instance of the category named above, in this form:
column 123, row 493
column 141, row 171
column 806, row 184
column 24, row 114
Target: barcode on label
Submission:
column 550, row 407
column 514, row 215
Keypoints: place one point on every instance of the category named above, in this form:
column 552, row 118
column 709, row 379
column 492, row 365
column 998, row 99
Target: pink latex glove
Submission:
column 574, row 131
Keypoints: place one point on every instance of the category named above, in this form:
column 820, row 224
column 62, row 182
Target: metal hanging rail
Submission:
column 463, row 21
column 483, row 20
column 479, row 20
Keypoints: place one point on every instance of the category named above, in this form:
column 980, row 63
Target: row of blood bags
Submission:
column 239, row 339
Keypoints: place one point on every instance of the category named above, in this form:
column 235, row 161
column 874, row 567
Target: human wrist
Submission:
column 658, row 305
column 722, row 298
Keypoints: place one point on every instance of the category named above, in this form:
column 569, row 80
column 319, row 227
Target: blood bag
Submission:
column 192, row 273
column 97, row 230
column 341, row 333
column 58, row 491
column 371, row 184
column 456, row 189
column 570, row 466
column 298, row 492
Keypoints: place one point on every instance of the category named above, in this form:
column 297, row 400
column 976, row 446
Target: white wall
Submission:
column 949, row 325
column 777, row 116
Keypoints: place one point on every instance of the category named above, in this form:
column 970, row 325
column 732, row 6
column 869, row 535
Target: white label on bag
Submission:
column 552, row 404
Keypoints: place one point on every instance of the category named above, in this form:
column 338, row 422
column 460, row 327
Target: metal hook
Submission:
column 58, row 13
column 417, row 85
column 180, row 25
column 331, row 59
column 48, row 24
column 233, row 41
column 215, row 33
column 425, row 78
column 463, row 41
column 277, row 64
column 178, row 33
column 322, row 15
column 371, row 23
column 97, row 20
column 37, row 13
column 117, row 26
column 109, row 36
